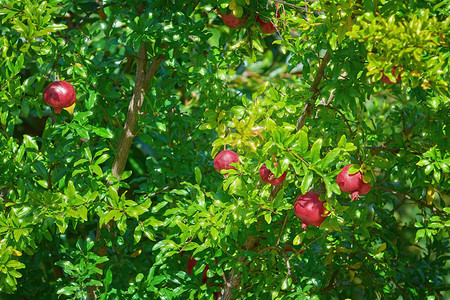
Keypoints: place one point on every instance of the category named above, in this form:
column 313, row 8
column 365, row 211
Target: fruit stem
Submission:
column 355, row 195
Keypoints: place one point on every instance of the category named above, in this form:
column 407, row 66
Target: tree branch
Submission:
column 421, row 203
column 307, row 110
column 142, row 83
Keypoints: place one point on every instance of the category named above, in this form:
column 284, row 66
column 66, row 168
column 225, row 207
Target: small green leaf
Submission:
column 198, row 175
column 137, row 234
column 298, row 238
column 353, row 169
column 303, row 142
column 268, row 217
column 423, row 162
column 307, row 181
column 214, row 233
column 315, row 150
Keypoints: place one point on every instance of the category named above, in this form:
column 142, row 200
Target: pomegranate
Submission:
column 352, row 183
column 268, row 27
column 231, row 20
column 386, row 79
column 268, row 177
column 224, row 159
column 59, row 95
column 310, row 209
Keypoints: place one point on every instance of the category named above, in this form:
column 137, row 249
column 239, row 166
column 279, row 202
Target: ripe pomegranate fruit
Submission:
column 231, row 20
column 309, row 209
column 59, row 94
column 268, row 27
column 224, row 159
column 386, row 79
column 352, row 183
column 268, row 177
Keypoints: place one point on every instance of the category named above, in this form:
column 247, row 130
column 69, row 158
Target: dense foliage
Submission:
column 164, row 86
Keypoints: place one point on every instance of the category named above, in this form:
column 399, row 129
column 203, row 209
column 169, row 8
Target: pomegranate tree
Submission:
column 309, row 209
column 59, row 95
column 386, row 79
column 224, row 159
column 268, row 177
column 352, row 183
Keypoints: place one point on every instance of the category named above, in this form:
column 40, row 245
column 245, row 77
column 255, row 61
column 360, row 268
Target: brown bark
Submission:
column 307, row 110
column 142, row 82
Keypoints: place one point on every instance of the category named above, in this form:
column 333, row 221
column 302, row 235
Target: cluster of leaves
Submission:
column 69, row 227
column 424, row 59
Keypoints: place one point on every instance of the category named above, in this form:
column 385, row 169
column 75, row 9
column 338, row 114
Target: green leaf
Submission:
column 328, row 187
column 298, row 238
column 96, row 169
column 103, row 132
column 307, row 181
column 420, row 234
column 423, row 162
column 82, row 211
column 102, row 159
column 198, row 175
column 116, row 214
column 354, row 169
column 112, row 193
column 428, row 169
column 214, row 233
column 303, row 142
column 30, row 143
column 315, row 151
column 108, row 279
column 136, row 211
column 137, row 234
column 70, row 191
column 268, row 217
column 330, row 158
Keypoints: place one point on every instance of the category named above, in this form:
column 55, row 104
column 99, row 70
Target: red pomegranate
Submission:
column 268, row 177
column 231, row 20
column 310, row 209
column 224, row 159
column 59, row 95
column 352, row 183
column 268, row 27
column 386, row 79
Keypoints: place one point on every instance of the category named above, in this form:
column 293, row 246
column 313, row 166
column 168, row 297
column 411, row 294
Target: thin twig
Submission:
column 408, row 197
column 307, row 110
column 282, row 228
column 290, row 5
